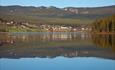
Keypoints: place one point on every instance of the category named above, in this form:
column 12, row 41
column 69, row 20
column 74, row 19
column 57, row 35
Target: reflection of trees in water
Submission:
column 107, row 41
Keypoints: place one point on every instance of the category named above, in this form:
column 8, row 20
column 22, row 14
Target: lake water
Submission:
column 56, row 51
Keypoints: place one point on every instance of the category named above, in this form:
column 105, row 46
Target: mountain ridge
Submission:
column 55, row 6
column 51, row 14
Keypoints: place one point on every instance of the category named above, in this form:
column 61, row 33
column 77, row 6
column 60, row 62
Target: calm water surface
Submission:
column 56, row 51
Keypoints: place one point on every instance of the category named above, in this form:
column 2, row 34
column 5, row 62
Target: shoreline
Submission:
column 70, row 31
column 107, row 33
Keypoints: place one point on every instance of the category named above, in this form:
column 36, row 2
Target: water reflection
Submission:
column 105, row 41
column 51, row 45
column 52, row 36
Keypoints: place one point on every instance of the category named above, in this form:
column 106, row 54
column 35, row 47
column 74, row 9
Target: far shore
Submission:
column 107, row 33
column 99, row 33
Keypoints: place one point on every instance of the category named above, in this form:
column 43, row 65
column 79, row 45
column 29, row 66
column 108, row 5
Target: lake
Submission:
column 57, row 51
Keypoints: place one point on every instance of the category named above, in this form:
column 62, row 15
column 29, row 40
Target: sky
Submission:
column 59, row 3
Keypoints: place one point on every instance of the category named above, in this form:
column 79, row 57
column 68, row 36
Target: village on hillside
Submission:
column 45, row 27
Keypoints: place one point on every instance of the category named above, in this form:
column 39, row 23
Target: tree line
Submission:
column 106, row 25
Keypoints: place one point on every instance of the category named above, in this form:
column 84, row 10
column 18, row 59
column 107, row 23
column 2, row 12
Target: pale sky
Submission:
column 59, row 3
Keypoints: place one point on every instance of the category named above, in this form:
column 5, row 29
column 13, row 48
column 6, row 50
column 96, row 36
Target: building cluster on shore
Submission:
column 65, row 28
column 47, row 27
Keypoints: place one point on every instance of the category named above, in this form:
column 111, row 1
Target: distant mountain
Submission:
column 93, row 10
column 32, row 11
column 52, row 14
column 27, row 18
column 54, row 11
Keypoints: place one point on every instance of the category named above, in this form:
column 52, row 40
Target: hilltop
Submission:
column 30, row 18
column 51, row 14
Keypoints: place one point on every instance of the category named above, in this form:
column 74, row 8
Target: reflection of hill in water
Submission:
column 21, row 45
